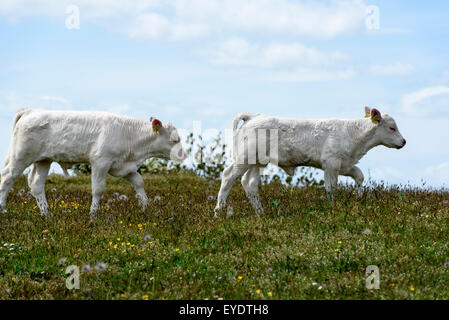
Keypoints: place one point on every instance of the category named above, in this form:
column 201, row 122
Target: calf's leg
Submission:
column 331, row 169
column 230, row 175
column 10, row 174
column 136, row 180
column 99, row 173
column 250, row 182
column 36, row 181
column 355, row 173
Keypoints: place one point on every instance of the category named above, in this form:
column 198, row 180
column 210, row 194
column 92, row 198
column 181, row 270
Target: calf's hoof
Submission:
column 92, row 216
column 47, row 214
column 217, row 212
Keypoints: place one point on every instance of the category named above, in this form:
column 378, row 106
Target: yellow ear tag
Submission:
column 155, row 128
column 372, row 120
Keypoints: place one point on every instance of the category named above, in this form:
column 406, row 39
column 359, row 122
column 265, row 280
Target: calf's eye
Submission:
column 392, row 129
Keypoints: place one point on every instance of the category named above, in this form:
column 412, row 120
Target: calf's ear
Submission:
column 375, row 116
column 157, row 124
column 367, row 112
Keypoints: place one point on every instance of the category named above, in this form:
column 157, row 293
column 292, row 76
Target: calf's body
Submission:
column 334, row 145
column 110, row 143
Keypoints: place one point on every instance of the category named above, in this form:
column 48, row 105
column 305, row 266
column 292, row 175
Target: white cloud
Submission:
column 149, row 25
column 212, row 111
column 438, row 174
column 435, row 175
column 239, row 52
column 57, row 100
column 387, row 174
column 11, row 102
column 90, row 10
column 398, row 68
column 311, row 18
column 287, row 62
column 181, row 19
column 429, row 101
column 154, row 26
column 312, row 75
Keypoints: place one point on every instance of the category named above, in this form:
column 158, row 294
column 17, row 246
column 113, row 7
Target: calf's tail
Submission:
column 241, row 116
column 17, row 117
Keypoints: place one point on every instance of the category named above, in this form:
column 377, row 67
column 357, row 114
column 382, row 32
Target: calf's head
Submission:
column 167, row 143
column 387, row 132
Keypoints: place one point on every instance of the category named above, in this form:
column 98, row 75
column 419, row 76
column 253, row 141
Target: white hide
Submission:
column 110, row 143
column 334, row 145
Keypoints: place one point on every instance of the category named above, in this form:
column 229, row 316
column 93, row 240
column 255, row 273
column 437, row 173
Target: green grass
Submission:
column 304, row 247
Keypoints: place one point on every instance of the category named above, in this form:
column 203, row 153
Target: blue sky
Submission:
column 207, row 60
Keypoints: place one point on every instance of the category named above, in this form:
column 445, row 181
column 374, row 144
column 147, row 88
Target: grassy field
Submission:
column 304, row 247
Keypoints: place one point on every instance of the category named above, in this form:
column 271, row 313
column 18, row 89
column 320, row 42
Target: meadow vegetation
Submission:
column 304, row 247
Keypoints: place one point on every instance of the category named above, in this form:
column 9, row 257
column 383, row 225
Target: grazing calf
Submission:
column 110, row 143
column 333, row 145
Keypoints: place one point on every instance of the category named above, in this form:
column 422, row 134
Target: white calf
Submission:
column 111, row 144
column 333, row 145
